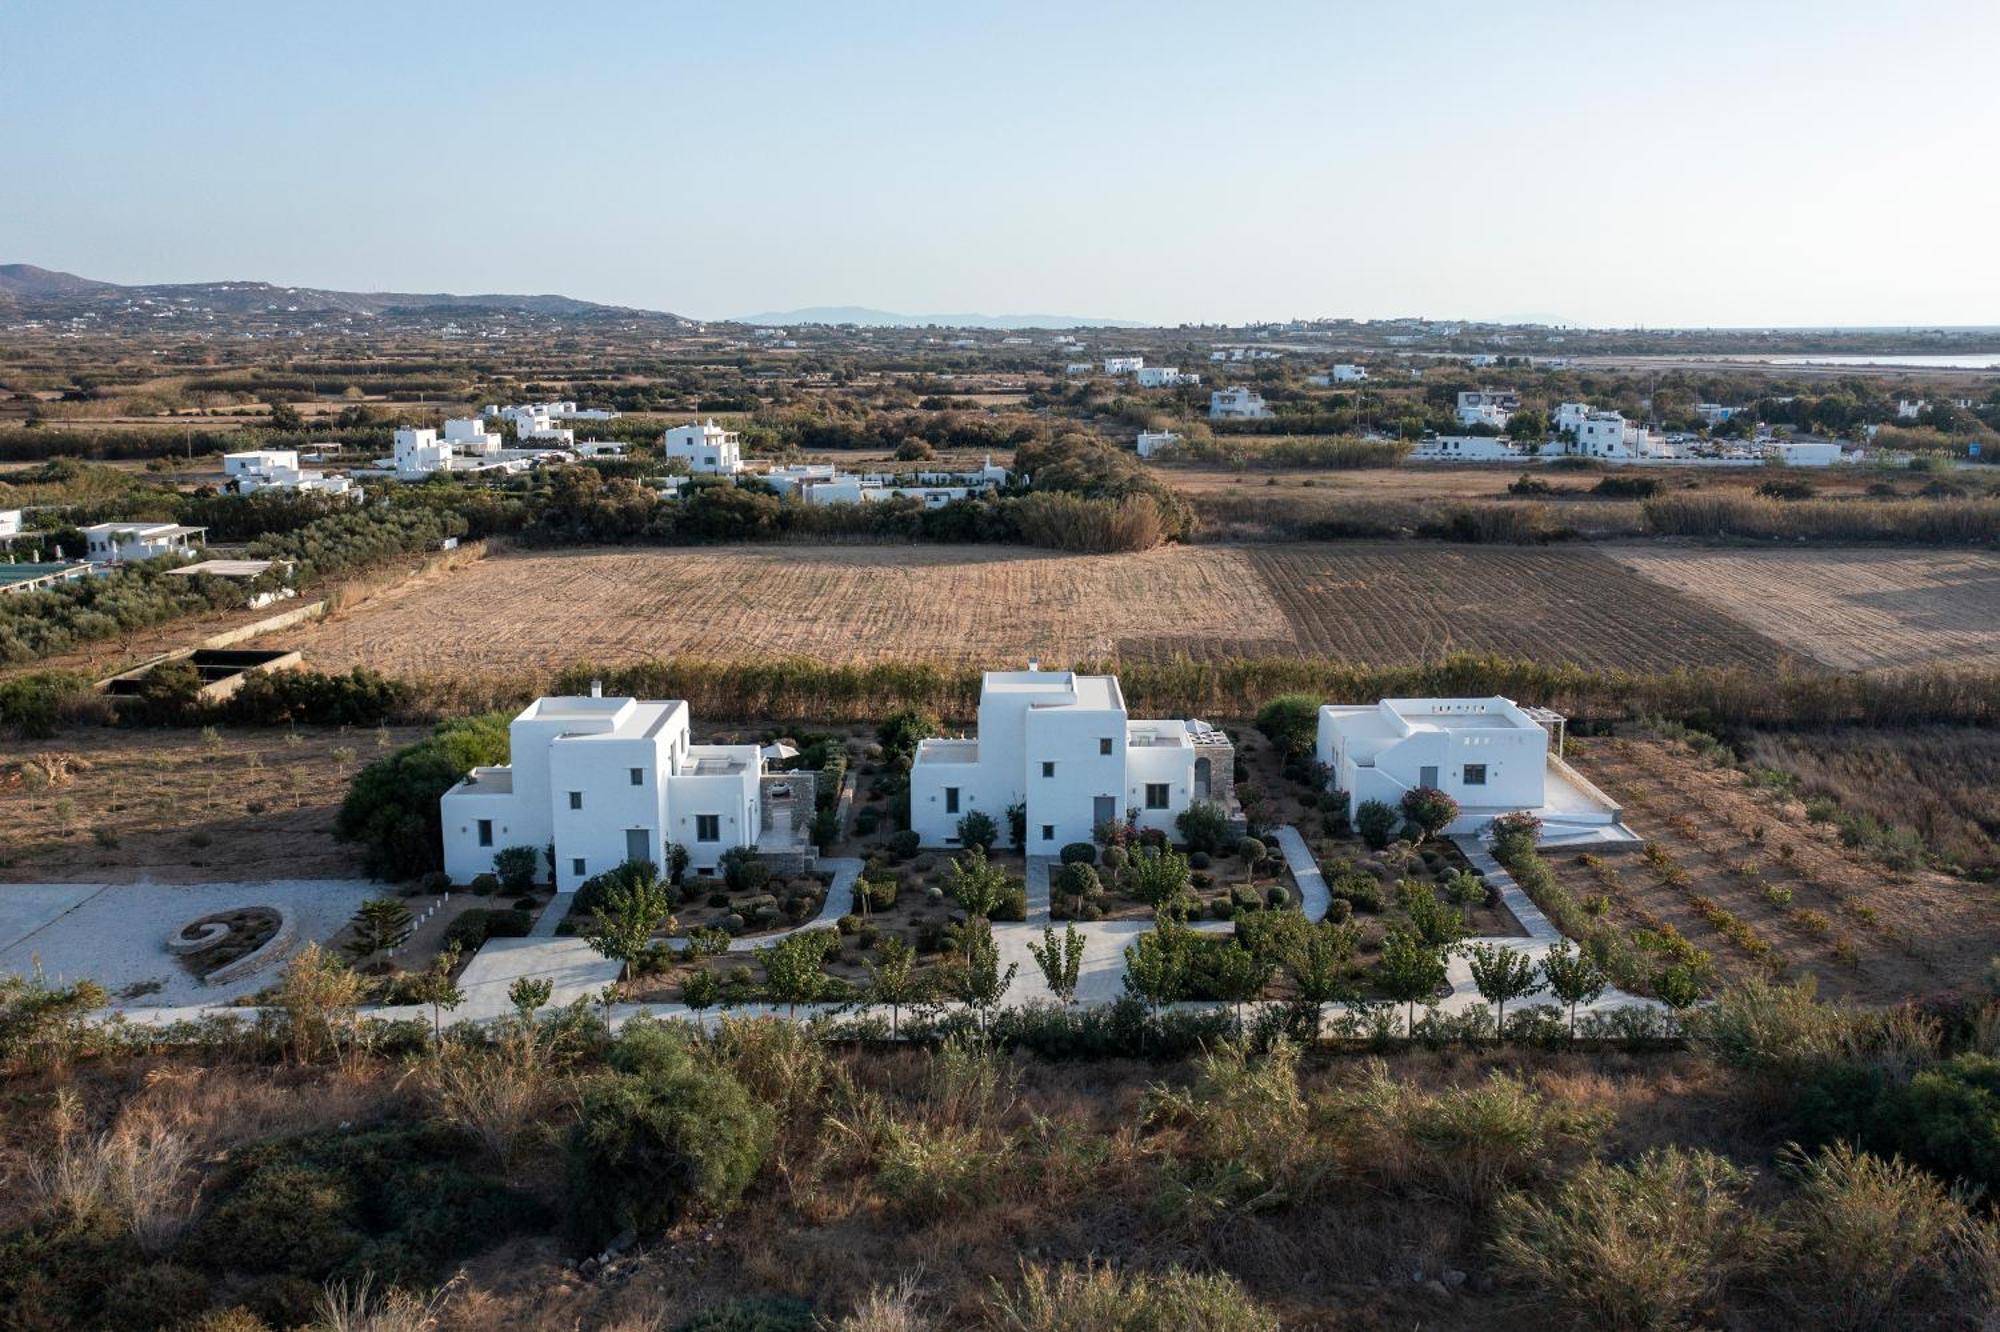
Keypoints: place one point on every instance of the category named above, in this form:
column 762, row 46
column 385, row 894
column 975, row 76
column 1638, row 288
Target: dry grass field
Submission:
column 1745, row 874
column 1373, row 603
column 1854, row 609
column 180, row 806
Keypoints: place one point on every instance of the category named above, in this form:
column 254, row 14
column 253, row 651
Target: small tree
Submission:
column 975, row 883
column 1439, row 924
column 977, row 831
column 631, row 910
column 1514, row 835
column 900, row 733
column 792, row 974
column 1079, row 881
column 1573, row 977
column 1317, row 960
column 700, row 989
column 1678, row 986
column 1376, row 822
column 1158, row 876
column 677, row 862
column 1236, row 974
column 1291, row 721
column 1409, row 971
column 1060, row 960
column 1204, row 826
column 1502, row 973
column 1156, row 963
column 1430, row 809
column 527, row 994
column 381, row 923
column 515, row 866
column 893, row 979
column 1017, row 826
column 978, row 979
column 437, row 987
column 1252, row 852
column 314, row 989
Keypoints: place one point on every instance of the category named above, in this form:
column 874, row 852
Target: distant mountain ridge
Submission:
column 27, row 284
column 864, row 317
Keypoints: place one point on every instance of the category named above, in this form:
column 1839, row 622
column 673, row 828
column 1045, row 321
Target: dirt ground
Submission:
column 1386, row 603
column 1848, row 608
column 1800, row 902
column 174, row 806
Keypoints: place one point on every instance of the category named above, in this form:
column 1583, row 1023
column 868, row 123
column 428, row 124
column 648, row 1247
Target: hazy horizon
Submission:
column 1700, row 165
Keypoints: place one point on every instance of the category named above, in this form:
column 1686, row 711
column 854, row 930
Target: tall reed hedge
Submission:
column 1927, row 522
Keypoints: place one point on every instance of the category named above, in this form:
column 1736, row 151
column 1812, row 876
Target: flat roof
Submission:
column 226, row 568
column 28, row 573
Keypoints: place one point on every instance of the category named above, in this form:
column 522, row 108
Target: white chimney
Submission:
column 597, row 689
column 1034, row 663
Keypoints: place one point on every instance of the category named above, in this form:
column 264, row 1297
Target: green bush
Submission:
column 517, row 868
column 1079, row 853
column 1946, row 1118
column 1291, row 722
column 391, row 807
column 472, row 928
column 665, row 1132
column 905, row 844
column 1077, row 880
column 1376, row 822
column 761, row 1313
column 1204, row 826
column 1361, row 891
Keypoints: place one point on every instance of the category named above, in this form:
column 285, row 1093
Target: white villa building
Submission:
column 1485, row 407
column 1489, row 754
column 1237, row 404
column 1340, row 374
column 278, row 469
column 1610, row 436
column 10, row 523
column 467, row 446
column 1164, row 376
column 536, row 422
column 1466, row 448
column 606, row 780
column 125, row 543
column 1124, row 365
column 1062, row 745
column 824, row 483
column 707, row 449
column 1152, row 441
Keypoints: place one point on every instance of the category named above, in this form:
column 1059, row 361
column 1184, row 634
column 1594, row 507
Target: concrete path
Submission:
column 1314, row 898
column 839, row 902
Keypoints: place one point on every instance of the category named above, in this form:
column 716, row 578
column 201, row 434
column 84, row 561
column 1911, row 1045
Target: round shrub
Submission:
column 1278, row 896
column 1340, row 911
column 849, row 924
column 1116, row 857
column 1222, row 909
column 1079, row 853
column 718, row 899
column 485, row 885
column 1199, row 860
column 668, row 1133
column 905, row 844
column 1251, row 850
column 1077, row 880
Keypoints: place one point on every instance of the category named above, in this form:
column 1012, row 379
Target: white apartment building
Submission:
column 1237, row 404
column 1485, row 753
column 1153, row 441
column 1568, row 416
column 707, row 449
column 125, row 543
column 1610, row 436
column 1124, row 365
column 605, row 780
column 1164, row 376
column 536, row 422
column 1062, row 745
column 1485, row 407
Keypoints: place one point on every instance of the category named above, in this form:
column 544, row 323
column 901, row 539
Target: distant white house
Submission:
column 10, row 523
column 126, row 543
column 1909, row 409
column 606, row 780
column 1061, row 745
column 597, row 448
column 278, row 469
column 1076, row 368
column 1804, row 452
column 1152, row 441
column 1341, row 374
column 1164, row 376
column 467, row 447
column 1482, row 360
column 1486, row 407
column 1236, row 404
column 1714, row 413
column 535, row 423
column 707, row 449
column 1608, row 435
column 823, row 483
column 1466, row 448
column 1124, row 365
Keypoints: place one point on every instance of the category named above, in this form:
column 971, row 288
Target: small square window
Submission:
column 1104, row 745
column 1475, row 774
column 576, row 865
column 1048, row 770
column 1048, row 832
column 576, row 800
column 1156, row 795
column 638, row 776
column 708, row 827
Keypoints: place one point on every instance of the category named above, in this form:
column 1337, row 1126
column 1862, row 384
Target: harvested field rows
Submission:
column 1397, row 602
column 1855, row 609
column 1368, row 603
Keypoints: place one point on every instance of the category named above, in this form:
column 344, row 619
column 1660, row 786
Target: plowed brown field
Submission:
column 1385, row 603
column 1856, row 609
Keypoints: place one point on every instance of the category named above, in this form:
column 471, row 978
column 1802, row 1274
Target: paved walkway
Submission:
column 1314, row 899
column 839, row 902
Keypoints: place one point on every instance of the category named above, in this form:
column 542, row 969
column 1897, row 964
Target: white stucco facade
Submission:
column 123, row 543
column 1486, row 753
column 1153, row 441
column 1237, row 404
column 707, row 449
column 605, row 780
column 1062, row 745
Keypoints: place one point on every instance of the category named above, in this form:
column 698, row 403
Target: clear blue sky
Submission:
column 1604, row 161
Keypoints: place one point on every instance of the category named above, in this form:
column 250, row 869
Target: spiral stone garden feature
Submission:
column 228, row 945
